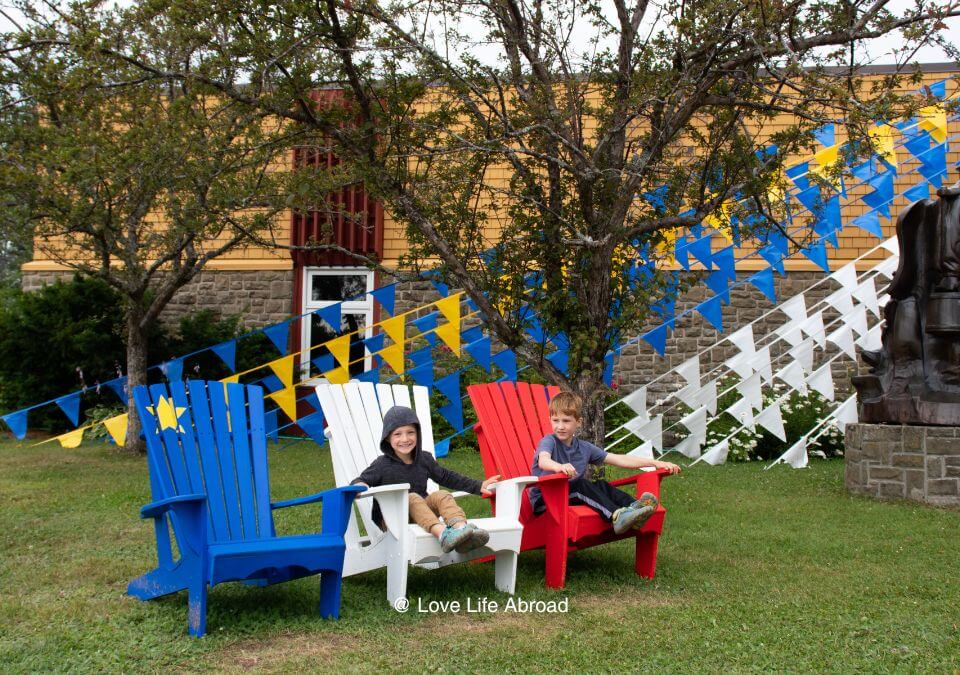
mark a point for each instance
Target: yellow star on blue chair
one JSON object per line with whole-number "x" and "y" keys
{"x": 168, "y": 415}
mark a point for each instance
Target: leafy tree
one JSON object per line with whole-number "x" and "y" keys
{"x": 136, "y": 181}
{"x": 588, "y": 108}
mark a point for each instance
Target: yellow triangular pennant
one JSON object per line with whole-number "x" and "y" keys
{"x": 393, "y": 355}
{"x": 450, "y": 334}
{"x": 117, "y": 428}
{"x": 720, "y": 221}
{"x": 882, "y": 137}
{"x": 233, "y": 379}
{"x": 825, "y": 159}
{"x": 933, "y": 118}
{"x": 395, "y": 328}
{"x": 283, "y": 368}
{"x": 340, "y": 348}
{"x": 339, "y": 375}
{"x": 287, "y": 400}
{"x": 71, "y": 439}
{"x": 450, "y": 308}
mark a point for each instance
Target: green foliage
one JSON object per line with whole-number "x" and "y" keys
{"x": 49, "y": 336}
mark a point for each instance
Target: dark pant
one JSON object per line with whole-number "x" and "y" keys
{"x": 599, "y": 496}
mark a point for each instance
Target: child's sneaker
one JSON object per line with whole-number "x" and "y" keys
{"x": 628, "y": 516}
{"x": 478, "y": 537}
{"x": 646, "y": 499}
{"x": 451, "y": 537}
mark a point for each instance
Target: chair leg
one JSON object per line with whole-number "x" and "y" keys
{"x": 397, "y": 569}
{"x": 197, "y": 608}
{"x": 505, "y": 571}
{"x": 156, "y": 583}
{"x": 330, "y": 583}
{"x": 646, "y": 562}
{"x": 556, "y": 558}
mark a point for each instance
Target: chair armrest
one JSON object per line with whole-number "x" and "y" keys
{"x": 461, "y": 493}
{"x": 161, "y": 506}
{"x": 508, "y": 493}
{"x": 320, "y": 496}
{"x": 555, "y": 490}
{"x": 382, "y": 490}
{"x": 648, "y": 481}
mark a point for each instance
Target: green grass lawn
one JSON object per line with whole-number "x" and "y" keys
{"x": 758, "y": 570}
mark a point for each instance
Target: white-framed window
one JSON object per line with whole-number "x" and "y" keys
{"x": 324, "y": 286}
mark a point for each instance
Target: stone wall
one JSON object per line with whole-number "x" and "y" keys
{"x": 639, "y": 364}
{"x": 261, "y": 297}
{"x": 904, "y": 462}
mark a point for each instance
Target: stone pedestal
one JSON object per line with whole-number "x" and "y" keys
{"x": 889, "y": 461}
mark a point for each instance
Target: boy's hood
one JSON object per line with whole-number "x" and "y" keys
{"x": 399, "y": 416}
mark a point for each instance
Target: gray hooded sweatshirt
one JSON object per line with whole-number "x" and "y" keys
{"x": 389, "y": 469}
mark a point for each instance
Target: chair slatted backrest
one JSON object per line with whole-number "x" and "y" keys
{"x": 210, "y": 438}
{"x": 513, "y": 417}
{"x": 354, "y": 412}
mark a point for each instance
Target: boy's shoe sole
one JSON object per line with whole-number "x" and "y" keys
{"x": 646, "y": 499}
{"x": 452, "y": 538}
{"x": 630, "y": 516}
{"x": 476, "y": 539}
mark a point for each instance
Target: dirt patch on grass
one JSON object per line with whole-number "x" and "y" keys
{"x": 274, "y": 653}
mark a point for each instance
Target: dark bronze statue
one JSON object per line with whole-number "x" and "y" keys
{"x": 915, "y": 375}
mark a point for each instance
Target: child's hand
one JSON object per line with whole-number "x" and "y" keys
{"x": 668, "y": 466}
{"x": 485, "y": 485}
{"x": 568, "y": 469}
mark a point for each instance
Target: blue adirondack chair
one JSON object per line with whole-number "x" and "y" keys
{"x": 207, "y": 455}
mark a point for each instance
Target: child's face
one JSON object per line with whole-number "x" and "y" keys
{"x": 403, "y": 440}
{"x": 564, "y": 426}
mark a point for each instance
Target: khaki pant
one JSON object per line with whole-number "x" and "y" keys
{"x": 424, "y": 511}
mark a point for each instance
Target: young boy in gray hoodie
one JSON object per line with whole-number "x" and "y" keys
{"x": 404, "y": 461}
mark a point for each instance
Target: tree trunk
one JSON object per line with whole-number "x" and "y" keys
{"x": 136, "y": 374}
{"x": 589, "y": 387}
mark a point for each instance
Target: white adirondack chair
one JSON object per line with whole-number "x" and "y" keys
{"x": 354, "y": 414}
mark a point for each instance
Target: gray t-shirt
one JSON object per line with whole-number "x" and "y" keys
{"x": 579, "y": 454}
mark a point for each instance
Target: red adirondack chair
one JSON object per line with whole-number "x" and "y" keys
{"x": 512, "y": 417}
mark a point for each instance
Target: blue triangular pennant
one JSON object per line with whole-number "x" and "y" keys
{"x": 608, "y": 369}
{"x": 480, "y": 351}
{"x": 826, "y": 135}
{"x": 798, "y": 174}
{"x": 441, "y": 448}
{"x": 279, "y": 335}
{"x": 780, "y": 241}
{"x": 810, "y": 197}
{"x": 453, "y": 413}
{"x": 680, "y": 252}
{"x": 939, "y": 89}
{"x": 720, "y": 285}
{"x": 817, "y": 252}
{"x": 864, "y": 171}
{"x": 763, "y": 280}
{"x": 535, "y": 330}
{"x": 712, "y": 310}
{"x": 227, "y": 351}
{"x": 373, "y": 344}
{"x": 331, "y": 314}
{"x": 312, "y": 425}
{"x": 933, "y": 164}
{"x": 449, "y": 386}
{"x": 918, "y": 192}
{"x": 17, "y": 421}
{"x": 387, "y": 296}
{"x": 324, "y": 363}
{"x": 507, "y": 362}
{"x": 421, "y": 356}
{"x": 869, "y": 222}
{"x": 441, "y": 287}
{"x": 426, "y": 324}
{"x": 270, "y": 382}
{"x": 666, "y": 309}
{"x": 726, "y": 262}
{"x": 472, "y": 334}
{"x": 313, "y": 400}
{"x": 559, "y": 359}
{"x": 173, "y": 370}
{"x": 774, "y": 257}
{"x": 702, "y": 251}
{"x": 656, "y": 338}
{"x": 271, "y": 424}
{"x": 656, "y": 197}
{"x": 422, "y": 375}
{"x": 372, "y": 375}
{"x": 118, "y": 386}
{"x": 70, "y": 405}
{"x": 917, "y": 140}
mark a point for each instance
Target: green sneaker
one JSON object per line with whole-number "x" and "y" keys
{"x": 451, "y": 537}
{"x": 478, "y": 537}
{"x": 627, "y": 517}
